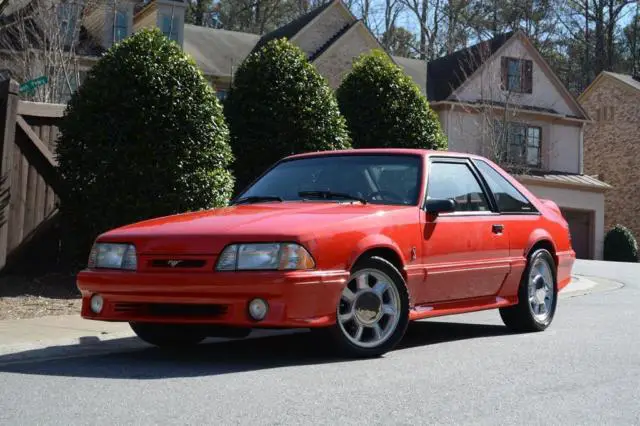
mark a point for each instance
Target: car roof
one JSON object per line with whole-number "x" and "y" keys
{"x": 387, "y": 151}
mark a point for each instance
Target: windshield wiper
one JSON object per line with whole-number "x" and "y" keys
{"x": 257, "y": 199}
{"x": 331, "y": 194}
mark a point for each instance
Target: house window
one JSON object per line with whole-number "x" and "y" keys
{"x": 68, "y": 20}
{"x": 521, "y": 144}
{"x": 120, "y": 30}
{"x": 170, "y": 26}
{"x": 517, "y": 75}
{"x": 221, "y": 94}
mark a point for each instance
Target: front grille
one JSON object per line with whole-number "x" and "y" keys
{"x": 168, "y": 310}
{"x": 178, "y": 263}
{"x": 184, "y": 310}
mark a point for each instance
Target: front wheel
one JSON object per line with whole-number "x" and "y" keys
{"x": 537, "y": 295}
{"x": 168, "y": 335}
{"x": 373, "y": 311}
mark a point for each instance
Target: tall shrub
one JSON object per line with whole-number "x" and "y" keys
{"x": 144, "y": 136}
{"x": 384, "y": 108}
{"x": 620, "y": 245}
{"x": 279, "y": 105}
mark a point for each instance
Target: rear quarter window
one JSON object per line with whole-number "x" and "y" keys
{"x": 508, "y": 198}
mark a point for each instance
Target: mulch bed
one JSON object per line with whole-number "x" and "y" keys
{"x": 23, "y": 296}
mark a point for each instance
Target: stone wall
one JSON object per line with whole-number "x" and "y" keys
{"x": 612, "y": 149}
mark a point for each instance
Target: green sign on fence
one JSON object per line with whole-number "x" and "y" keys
{"x": 31, "y": 85}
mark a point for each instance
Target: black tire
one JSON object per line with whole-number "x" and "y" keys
{"x": 337, "y": 335}
{"x": 169, "y": 335}
{"x": 520, "y": 317}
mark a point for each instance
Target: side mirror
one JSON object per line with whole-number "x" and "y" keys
{"x": 436, "y": 207}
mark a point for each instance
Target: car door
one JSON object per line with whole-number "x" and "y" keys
{"x": 466, "y": 252}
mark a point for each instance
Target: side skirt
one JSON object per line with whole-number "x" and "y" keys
{"x": 429, "y": 310}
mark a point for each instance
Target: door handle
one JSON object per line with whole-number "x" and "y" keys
{"x": 497, "y": 228}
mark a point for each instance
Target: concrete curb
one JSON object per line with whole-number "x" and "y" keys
{"x": 582, "y": 285}
{"x": 95, "y": 345}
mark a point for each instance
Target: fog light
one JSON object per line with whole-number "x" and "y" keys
{"x": 97, "y": 303}
{"x": 258, "y": 309}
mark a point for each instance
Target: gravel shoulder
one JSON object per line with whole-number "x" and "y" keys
{"x": 24, "y": 297}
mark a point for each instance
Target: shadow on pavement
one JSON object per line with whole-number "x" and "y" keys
{"x": 208, "y": 359}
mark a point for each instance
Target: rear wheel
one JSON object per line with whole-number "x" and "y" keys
{"x": 169, "y": 335}
{"x": 537, "y": 295}
{"x": 373, "y": 311}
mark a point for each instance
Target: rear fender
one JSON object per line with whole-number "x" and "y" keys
{"x": 553, "y": 207}
{"x": 537, "y": 236}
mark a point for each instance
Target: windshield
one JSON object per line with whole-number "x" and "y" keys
{"x": 377, "y": 179}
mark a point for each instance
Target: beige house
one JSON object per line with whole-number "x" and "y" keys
{"x": 501, "y": 99}
{"x": 611, "y": 144}
{"x": 498, "y": 98}
{"x": 501, "y": 89}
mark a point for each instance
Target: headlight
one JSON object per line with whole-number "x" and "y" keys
{"x": 113, "y": 256}
{"x": 265, "y": 256}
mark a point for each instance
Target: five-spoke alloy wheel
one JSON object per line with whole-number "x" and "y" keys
{"x": 373, "y": 311}
{"x": 537, "y": 295}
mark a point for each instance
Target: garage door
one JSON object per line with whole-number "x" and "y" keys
{"x": 580, "y": 228}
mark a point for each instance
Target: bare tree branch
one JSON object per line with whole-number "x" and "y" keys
{"x": 42, "y": 39}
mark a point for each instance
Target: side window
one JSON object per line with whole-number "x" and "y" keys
{"x": 456, "y": 181}
{"x": 508, "y": 198}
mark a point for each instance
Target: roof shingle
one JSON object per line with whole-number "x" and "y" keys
{"x": 447, "y": 73}
{"x": 217, "y": 51}
{"x": 563, "y": 178}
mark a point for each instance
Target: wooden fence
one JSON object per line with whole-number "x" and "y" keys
{"x": 29, "y": 133}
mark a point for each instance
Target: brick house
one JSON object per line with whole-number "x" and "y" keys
{"x": 611, "y": 144}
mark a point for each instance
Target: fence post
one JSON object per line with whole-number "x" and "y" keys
{"x": 8, "y": 111}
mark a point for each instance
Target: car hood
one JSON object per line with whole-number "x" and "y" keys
{"x": 208, "y": 232}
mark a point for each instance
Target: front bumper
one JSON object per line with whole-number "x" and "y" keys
{"x": 297, "y": 299}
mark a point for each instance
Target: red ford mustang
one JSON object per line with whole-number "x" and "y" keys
{"x": 353, "y": 243}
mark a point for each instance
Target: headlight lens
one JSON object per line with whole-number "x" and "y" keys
{"x": 265, "y": 256}
{"x": 113, "y": 256}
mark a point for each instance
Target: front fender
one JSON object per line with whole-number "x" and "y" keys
{"x": 372, "y": 242}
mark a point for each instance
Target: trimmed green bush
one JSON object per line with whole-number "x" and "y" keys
{"x": 620, "y": 245}
{"x": 144, "y": 136}
{"x": 384, "y": 107}
{"x": 279, "y": 105}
